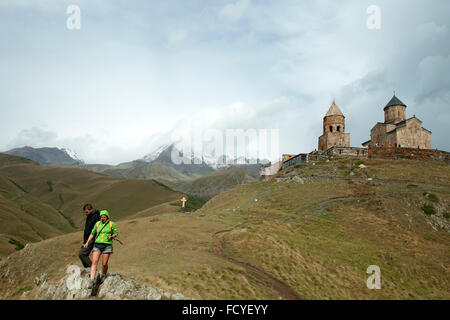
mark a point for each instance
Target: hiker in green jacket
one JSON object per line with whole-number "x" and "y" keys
{"x": 104, "y": 232}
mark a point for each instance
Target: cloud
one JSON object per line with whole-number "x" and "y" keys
{"x": 176, "y": 37}
{"x": 431, "y": 29}
{"x": 434, "y": 75}
{"x": 34, "y": 137}
{"x": 234, "y": 11}
{"x": 283, "y": 114}
{"x": 85, "y": 146}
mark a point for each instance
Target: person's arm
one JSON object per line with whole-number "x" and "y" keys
{"x": 93, "y": 233}
{"x": 89, "y": 240}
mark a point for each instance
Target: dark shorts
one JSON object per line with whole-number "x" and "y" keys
{"x": 103, "y": 248}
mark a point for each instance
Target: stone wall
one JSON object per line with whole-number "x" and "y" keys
{"x": 347, "y": 151}
{"x": 317, "y": 156}
{"x": 408, "y": 153}
{"x": 411, "y": 135}
{"x": 337, "y": 151}
{"x": 331, "y": 139}
{"x": 378, "y": 134}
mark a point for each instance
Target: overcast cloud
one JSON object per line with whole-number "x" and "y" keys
{"x": 137, "y": 70}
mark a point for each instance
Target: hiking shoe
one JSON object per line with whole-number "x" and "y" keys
{"x": 91, "y": 284}
{"x": 102, "y": 278}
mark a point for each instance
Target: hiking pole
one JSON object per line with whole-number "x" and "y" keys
{"x": 118, "y": 240}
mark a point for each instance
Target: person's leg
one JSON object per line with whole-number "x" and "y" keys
{"x": 105, "y": 258}
{"x": 95, "y": 258}
{"x": 84, "y": 255}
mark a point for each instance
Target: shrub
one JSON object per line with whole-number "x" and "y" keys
{"x": 430, "y": 196}
{"x": 162, "y": 185}
{"x": 297, "y": 166}
{"x": 412, "y": 185}
{"x": 428, "y": 209}
{"x": 447, "y": 215}
{"x": 50, "y": 186}
{"x": 22, "y": 290}
{"x": 18, "y": 244}
{"x": 358, "y": 163}
{"x": 194, "y": 203}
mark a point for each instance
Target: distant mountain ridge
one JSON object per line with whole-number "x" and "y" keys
{"x": 163, "y": 154}
{"x": 198, "y": 177}
{"x": 50, "y": 157}
{"x": 190, "y": 167}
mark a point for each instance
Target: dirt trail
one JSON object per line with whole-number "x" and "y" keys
{"x": 283, "y": 291}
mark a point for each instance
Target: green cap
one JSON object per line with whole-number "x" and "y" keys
{"x": 104, "y": 213}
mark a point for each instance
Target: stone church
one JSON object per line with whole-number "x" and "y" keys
{"x": 334, "y": 134}
{"x": 397, "y": 131}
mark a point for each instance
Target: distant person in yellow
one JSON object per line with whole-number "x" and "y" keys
{"x": 104, "y": 232}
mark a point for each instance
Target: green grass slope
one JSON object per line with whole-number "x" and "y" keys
{"x": 140, "y": 170}
{"x": 210, "y": 185}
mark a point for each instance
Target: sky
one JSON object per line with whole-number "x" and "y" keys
{"x": 137, "y": 71}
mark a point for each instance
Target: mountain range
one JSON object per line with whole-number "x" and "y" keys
{"x": 197, "y": 177}
{"x": 48, "y": 156}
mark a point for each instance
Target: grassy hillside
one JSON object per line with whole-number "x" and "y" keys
{"x": 99, "y": 168}
{"x": 139, "y": 170}
{"x": 39, "y": 202}
{"x": 204, "y": 187}
{"x": 23, "y": 217}
{"x": 309, "y": 233}
{"x": 210, "y": 185}
{"x": 153, "y": 170}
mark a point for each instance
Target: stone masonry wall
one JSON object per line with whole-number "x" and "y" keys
{"x": 347, "y": 151}
{"x": 408, "y": 153}
{"x": 413, "y": 135}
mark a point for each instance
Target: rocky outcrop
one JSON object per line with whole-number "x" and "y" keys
{"x": 114, "y": 287}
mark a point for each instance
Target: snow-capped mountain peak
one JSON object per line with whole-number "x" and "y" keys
{"x": 72, "y": 154}
{"x": 155, "y": 154}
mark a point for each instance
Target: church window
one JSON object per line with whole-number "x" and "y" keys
{"x": 331, "y": 128}
{"x": 339, "y": 128}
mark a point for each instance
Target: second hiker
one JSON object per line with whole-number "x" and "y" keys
{"x": 103, "y": 234}
{"x": 92, "y": 216}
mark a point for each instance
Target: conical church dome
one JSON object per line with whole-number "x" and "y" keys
{"x": 334, "y": 110}
{"x": 395, "y": 102}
